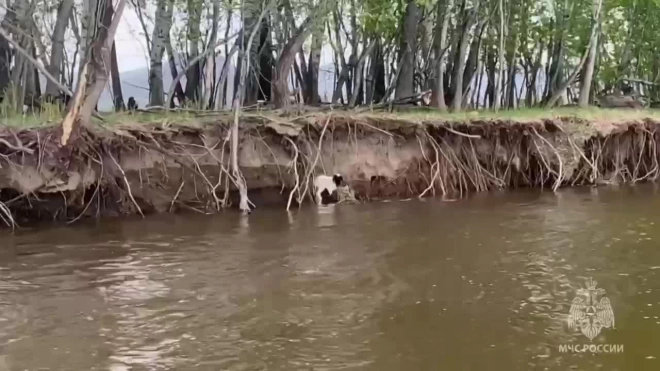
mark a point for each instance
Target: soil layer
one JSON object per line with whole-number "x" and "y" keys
{"x": 169, "y": 166}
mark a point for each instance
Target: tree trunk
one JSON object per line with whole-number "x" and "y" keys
{"x": 378, "y": 74}
{"x": 438, "y": 93}
{"x": 5, "y": 57}
{"x": 591, "y": 60}
{"x": 221, "y": 102}
{"x": 239, "y": 180}
{"x": 459, "y": 68}
{"x": 510, "y": 99}
{"x": 89, "y": 25}
{"x": 94, "y": 71}
{"x": 31, "y": 93}
{"x": 473, "y": 64}
{"x": 210, "y": 66}
{"x": 117, "y": 94}
{"x": 160, "y": 37}
{"x": 370, "y": 81}
{"x": 352, "y": 88}
{"x": 265, "y": 61}
{"x": 280, "y": 86}
{"x": 314, "y": 65}
{"x": 57, "y": 49}
{"x": 222, "y": 80}
{"x": 359, "y": 70}
{"x": 17, "y": 20}
{"x": 338, "y": 94}
{"x": 250, "y": 11}
{"x": 491, "y": 70}
{"x": 557, "y": 67}
{"x": 194, "y": 74}
{"x": 532, "y": 94}
{"x": 179, "y": 93}
{"x": 405, "y": 83}
{"x": 5, "y": 63}
{"x": 497, "y": 98}
{"x": 592, "y": 40}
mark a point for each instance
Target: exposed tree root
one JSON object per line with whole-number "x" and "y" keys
{"x": 294, "y": 165}
{"x": 160, "y": 168}
{"x": 6, "y": 217}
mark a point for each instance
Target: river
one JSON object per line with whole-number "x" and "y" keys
{"x": 482, "y": 283}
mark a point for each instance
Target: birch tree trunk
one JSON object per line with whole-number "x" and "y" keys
{"x": 193, "y": 77}
{"x": 94, "y": 70}
{"x": 160, "y": 38}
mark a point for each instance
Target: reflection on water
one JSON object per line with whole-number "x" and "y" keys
{"x": 478, "y": 284}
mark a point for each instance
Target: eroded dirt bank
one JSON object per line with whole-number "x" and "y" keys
{"x": 151, "y": 168}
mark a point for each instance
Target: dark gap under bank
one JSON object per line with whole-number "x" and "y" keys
{"x": 156, "y": 168}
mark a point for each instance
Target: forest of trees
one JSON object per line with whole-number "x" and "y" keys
{"x": 521, "y": 53}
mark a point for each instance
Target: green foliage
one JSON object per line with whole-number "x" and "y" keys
{"x": 381, "y": 17}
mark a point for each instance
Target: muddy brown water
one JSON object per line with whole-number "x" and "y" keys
{"x": 484, "y": 283}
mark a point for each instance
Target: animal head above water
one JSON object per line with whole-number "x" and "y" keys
{"x": 338, "y": 180}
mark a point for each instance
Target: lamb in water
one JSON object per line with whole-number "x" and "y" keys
{"x": 326, "y": 188}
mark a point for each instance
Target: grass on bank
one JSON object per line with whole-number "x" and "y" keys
{"x": 52, "y": 115}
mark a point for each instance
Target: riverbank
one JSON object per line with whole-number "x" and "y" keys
{"x": 152, "y": 162}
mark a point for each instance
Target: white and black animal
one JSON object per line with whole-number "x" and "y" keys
{"x": 326, "y": 188}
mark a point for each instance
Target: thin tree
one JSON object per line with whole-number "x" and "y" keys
{"x": 585, "y": 89}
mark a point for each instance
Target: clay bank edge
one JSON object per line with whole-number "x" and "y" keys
{"x": 154, "y": 163}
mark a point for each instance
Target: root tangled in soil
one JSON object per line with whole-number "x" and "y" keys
{"x": 141, "y": 169}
